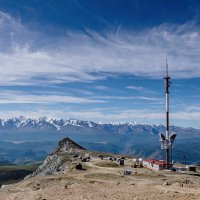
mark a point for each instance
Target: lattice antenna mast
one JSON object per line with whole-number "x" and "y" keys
{"x": 167, "y": 141}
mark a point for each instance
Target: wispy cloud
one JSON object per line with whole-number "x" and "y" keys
{"x": 101, "y": 87}
{"x": 141, "y": 89}
{"x": 30, "y": 57}
{"x": 182, "y": 118}
{"x": 129, "y": 98}
{"x": 137, "y": 88}
{"x": 194, "y": 108}
{"x": 48, "y": 97}
{"x": 14, "y": 97}
{"x": 125, "y": 115}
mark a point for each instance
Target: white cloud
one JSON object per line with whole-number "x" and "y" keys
{"x": 29, "y": 57}
{"x": 120, "y": 115}
{"x": 137, "y": 88}
{"x": 145, "y": 116}
{"x": 11, "y": 97}
{"x": 141, "y": 89}
{"x": 129, "y": 98}
{"x": 48, "y": 97}
{"x": 193, "y": 108}
{"x": 101, "y": 87}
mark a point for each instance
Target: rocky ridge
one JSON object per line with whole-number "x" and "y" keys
{"x": 60, "y": 159}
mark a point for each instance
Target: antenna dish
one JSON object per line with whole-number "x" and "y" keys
{"x": 162, "y": 137}
{"x": 172, "y": 137}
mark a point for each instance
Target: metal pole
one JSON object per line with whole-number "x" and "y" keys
{"x": 167, "y": 146}
{"x": 163, "y": 155}
{"x": 171, "y": 153}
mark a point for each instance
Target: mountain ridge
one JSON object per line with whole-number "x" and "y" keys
{"x": 21, "y": 122}
{"x": 59, "y": 159}
{"x": 132, "y": 138}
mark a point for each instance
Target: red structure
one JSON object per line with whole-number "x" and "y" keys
{"x": 156, "y": 165}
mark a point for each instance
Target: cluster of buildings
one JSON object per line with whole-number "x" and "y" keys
{"x": 156, "y": 165}
{"x": 159, "y": 165}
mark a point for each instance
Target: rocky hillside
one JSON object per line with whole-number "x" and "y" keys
{"x": 101, "y": 177}
{"x": 60, "y": 159}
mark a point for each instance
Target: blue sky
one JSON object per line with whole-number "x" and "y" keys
{"x": 100, "y": 60}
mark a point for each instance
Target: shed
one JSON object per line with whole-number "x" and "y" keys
{"x": 191, "y": 168}
{"x": 121, "y": 161}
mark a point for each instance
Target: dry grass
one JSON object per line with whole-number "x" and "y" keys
{"x": 105, "y": 180}
{"x": 107, "y": 164}
{"x": 102, "y": 176}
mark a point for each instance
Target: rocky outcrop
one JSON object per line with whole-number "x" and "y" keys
{"x": 67, "y": 145}
{"x": 60, "y": 159}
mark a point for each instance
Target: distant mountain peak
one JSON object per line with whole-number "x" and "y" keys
{"x": 120, "y": 123}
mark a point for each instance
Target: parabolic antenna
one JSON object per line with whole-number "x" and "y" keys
{"x": 172, "y": 137}
{"x": 162, "y": 137}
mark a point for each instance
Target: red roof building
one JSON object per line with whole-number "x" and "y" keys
{"x": 156, "y": 165}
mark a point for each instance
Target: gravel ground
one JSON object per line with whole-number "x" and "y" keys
{"x": 107, "y": 182}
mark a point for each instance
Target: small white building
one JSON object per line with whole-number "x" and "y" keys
{"x": 156, "y": 165}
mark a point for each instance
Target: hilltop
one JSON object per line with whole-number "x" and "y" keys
{"x": 84, "y": 174}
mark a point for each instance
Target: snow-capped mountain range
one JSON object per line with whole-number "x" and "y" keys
{"x": 19, "y": 122}
{"x": 24, "y": 138}
{"x": 57, "y": 123}
{"x": 44, "y": 123}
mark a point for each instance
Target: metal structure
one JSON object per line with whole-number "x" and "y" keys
{"x": 167, "y": 140}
